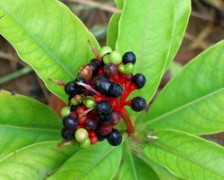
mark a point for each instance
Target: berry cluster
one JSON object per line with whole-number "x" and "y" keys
{"x": 97, "y": 98}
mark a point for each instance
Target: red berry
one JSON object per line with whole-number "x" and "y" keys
{"x": 82, "y": 120}
{"x": 94, "y": 140}
{"x": 91, "y": 133}
{"x": 80, "y": 110}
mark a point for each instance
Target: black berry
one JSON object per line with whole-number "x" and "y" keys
{"x": 70, "y": 122}
{"x": 80, "y": 79}
{"x": 129, "y": 57}
{"x": 95, "y": 66}
{"x": 102, "y": 84}
{"x": 115, "y": 137}
{"x": 67, "y": 133}
{"x": 138, "y": 104}
{"x": 100, "y": 137}
{"x": 139, "y": 80}
{"x": 115, "y": 90}
{"x": 71, "y": 88}
{"x": 104, "y": 111}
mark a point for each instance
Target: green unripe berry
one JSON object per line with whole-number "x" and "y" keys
{"x": 128, "y": 68}
{"x": 85, "y": 144}
{"x": 115, "y": 57}
{"x": 121, "y": 68}
{"x": 89, "y": 103}
{"x": 104, "y": 50}
{"x": 81, "y": 135}
{"x": 106, "y": 59}
{"x": 65, "y": 111}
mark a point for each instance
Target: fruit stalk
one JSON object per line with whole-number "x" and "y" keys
{"x": 128, "y": 122}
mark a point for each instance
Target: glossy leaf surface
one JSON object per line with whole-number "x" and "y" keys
{"x": 37, "y": 161}
{"x": 134, "y": 168}
{"x": 24, "y": 121}
{"x": 150, "y": 29}
{"x": 186, "y": 155}
{"x": 48, "y": 37}
{"x": 100, "y": 161}
{"x": 193, "y": 101}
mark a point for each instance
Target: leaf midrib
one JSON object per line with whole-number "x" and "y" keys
{"x": 41, "y": 45}
{"x": 181, "y": 107}
{"x": 186, "y": 158}
{"x": 30, "y": 128}
{"x": 96, "y": 162}
{"x": 132, "y": 161}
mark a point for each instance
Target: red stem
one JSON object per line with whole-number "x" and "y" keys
{"x": 127, "y": 120}
{"x": 94, "y": 50}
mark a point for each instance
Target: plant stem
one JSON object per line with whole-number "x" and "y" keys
{"x": 127, "y": 120}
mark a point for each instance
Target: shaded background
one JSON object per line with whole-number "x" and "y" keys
{"x": 205, "y": 28}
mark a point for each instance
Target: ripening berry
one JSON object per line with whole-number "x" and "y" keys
{"x": 129, "y": 57}
{"x": 85, "y": 72}
{"x": 91, "y": 124}
{"x": 67, "y": 133}
{"x": 115, "y": 137}
{"x": 70, "y": 122}
{"x": 139, "y": 80}
{"x": 105, "y": 129}
{"x": 138, "y": 104}
{"x": 110, "y": 70}
{"x": 81, "y": 135}
{"x": 116, "y": 116}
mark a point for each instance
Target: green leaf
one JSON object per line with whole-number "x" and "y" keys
{"x": 24, "y": 121}
{"x": 48, "y": 37}
{"x": 37, "y": 161}
{"x": 100, "y": 161}
{"x": 112, "y": 30}
{"x": 161, "y": 171}
{"x": 186, "y": 155}
{"x": 135, "y": 168}
{"x": 193, "y": 101}
{"x": 182, "y": 12}
{"x": 150, "y": 29}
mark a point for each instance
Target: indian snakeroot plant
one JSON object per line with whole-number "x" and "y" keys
{"x": 105, "y": 97}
